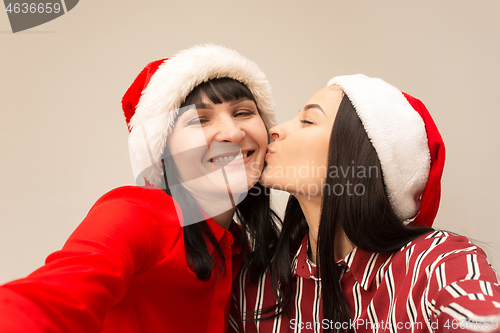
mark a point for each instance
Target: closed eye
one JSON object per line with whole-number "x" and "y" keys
{"x": 307, "y": 122}
{"x": 245, "y": 113}
{"x": 197, "y": 121}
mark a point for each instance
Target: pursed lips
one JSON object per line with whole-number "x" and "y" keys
{"x": 269, "y": 152}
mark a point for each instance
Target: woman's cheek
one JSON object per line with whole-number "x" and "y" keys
{"x": 262, "y": 135}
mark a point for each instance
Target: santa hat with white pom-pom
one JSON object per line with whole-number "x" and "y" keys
{"x": 152, "y": 102}
{"x": 407, "y": 141}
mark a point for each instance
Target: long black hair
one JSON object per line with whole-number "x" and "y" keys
{"x": 254, "y": 213}
{"x": 364, "y": 214}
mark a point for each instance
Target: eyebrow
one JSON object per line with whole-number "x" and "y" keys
{"x": 240, "y": 100}
{"x": 202, "y": 105}
{"x": 313, "y": 106}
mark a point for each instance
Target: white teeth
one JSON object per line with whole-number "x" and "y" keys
{"x": 230, "y": 158}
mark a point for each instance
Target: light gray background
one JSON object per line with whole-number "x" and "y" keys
{"x": 63, "y": 139}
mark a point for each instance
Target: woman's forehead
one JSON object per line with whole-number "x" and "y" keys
{"x": 328, "y": 98}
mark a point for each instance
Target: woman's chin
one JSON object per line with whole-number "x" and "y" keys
{"x": 251, "y": 182}
{"x": 270, "y": 182}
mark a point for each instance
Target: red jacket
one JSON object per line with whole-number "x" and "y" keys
{"x": 124, "y": 270}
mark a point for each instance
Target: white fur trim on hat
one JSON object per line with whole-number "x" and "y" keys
{"x": 169, "y": 86}
{"x": 397, "y": 133}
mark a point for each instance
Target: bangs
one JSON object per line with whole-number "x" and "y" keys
{"x": 219, "y": 91}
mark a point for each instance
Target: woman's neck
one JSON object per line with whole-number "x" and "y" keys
{"x": 225, "y": 219}
{"x": 213, "y": 206}
{"x": 311, "y": 207}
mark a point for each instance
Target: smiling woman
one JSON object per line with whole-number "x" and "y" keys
{"x": 162, "y": 257}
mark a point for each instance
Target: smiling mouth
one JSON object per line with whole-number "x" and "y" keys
{"x": 230, "y": 157}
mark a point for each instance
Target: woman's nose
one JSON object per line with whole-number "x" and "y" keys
{"x": 229, "y": 131}
{"x": 277, "y": 132}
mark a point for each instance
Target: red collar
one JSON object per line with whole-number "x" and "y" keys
{"x": 364, "y": 265}
{"x": 231, "y": 236}
{"x": 301, "y": 265}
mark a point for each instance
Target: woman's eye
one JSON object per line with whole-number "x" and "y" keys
{"x": 244, "y": 113}
{"x": 197, "y": 121}
{"x": 307, "y": 122}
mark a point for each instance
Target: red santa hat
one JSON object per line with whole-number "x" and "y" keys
{"x": 152, "y": 102}
{"x": 407, "y": 141}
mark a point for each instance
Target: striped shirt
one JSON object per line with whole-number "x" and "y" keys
{"x": 439, "y": 282}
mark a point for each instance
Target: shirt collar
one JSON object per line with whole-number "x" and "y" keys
{"x": 231, "y": 236}
{"x": 363, "y": 265}
{"x": 301, "y": 265}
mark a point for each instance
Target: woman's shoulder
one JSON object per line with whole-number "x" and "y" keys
{"x": 442, "y": 238}
{"x": 439, "y": 246}
{"x": 135, "y": 194}
{"x": 143, "y": 220}
{"x": 144, "y": 202}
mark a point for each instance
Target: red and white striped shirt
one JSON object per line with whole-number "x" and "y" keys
{"x": 437, "y": 283}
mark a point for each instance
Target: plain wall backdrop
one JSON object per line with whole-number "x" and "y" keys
{"x": 63, "y": 138}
